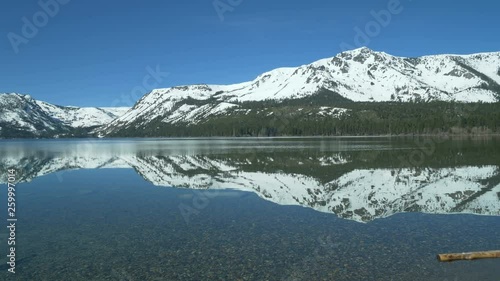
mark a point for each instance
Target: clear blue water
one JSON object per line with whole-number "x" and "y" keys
{"x": 230, "y": 210}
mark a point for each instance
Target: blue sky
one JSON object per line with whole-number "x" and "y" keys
{"x": 93, "y": 53}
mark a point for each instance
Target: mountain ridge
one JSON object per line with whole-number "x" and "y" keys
{"x": 360, "y": 75}
{"x": 21, "y": 115}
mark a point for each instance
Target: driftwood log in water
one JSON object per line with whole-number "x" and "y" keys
{"x": 469, "y": 256}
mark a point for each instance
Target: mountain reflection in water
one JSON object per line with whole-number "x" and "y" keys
{"x": 357, "y": 179}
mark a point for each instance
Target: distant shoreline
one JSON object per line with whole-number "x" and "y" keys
{"x": 448, "y": 135}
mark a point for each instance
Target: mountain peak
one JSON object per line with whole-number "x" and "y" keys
{"x": 15, "y": 95}
{"x": 361, "y": 54}
{"x": 363, "y": 49}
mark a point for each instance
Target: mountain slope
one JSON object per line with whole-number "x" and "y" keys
{"x": 80, "y": 117}
{"x": 23, "y": 116}
{"x": 357, "y": 75}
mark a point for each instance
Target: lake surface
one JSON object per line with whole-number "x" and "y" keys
{"x": 252, "y": 209}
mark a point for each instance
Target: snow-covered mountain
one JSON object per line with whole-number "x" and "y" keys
{"x": 21, "y": 115}
{"x": 80, "y": 117}
{"x": 357, "y": 75}
{"x": 357, "y": 194}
